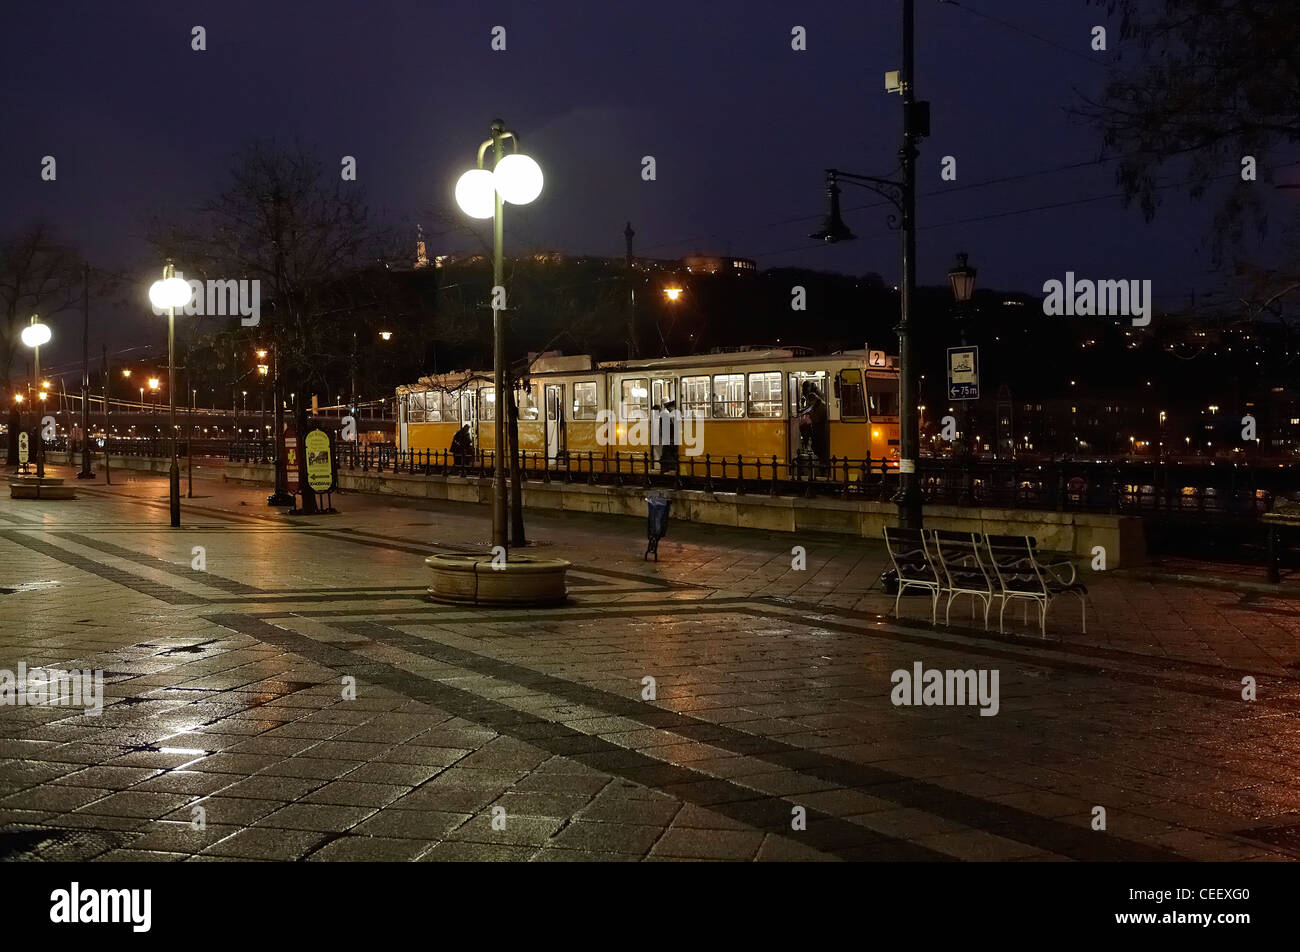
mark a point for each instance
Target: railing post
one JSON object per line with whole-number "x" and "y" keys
{"x": 772, "y": 492}
{"x": 740, "y": 475}
{"x": 708, "y": 474}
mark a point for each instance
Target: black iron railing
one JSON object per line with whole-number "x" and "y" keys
{"x": 1120, "y": 487}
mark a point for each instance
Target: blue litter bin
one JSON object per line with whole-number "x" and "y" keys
{"x": 656, "y": 524}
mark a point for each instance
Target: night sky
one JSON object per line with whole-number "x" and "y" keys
{"x": 741, "y": 127}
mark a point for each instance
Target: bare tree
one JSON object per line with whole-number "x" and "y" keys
{"x": 289, "y": 222}
{"x": 38, "y": 274}
{"x": 1202, "y": 84}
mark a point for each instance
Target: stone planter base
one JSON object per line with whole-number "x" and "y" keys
{"x": 471, "y": 580}
{"x": 26, "y": 487}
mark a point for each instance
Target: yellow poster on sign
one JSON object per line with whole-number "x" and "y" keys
{"x": 320, "y": 473}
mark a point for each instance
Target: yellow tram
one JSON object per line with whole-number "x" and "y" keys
{"x": 738, "y": 403}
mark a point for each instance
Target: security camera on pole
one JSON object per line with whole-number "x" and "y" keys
{"x": 170, "y": 293}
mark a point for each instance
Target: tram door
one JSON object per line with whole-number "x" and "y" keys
{"x": 554, "y": 422}
{"x": 795, "y": 388}
{"x": 469, "y": 413}
{"x": 663, "y": 390}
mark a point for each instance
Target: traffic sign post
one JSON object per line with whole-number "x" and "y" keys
{"x": 964, "y": 373}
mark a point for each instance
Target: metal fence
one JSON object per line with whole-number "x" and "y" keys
{"x": 1231, "y": 490}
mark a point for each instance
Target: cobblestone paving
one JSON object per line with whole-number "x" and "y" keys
{"x": 525, "y": 735}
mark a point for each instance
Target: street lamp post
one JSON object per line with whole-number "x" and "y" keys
{"x": 34, "y": 335}
{"x": 962, "y": 281}
{"x": 517, "y": 179}
{"x": 902, "y": 195}
{"x": 281, "y": 495}
{"x": 87, "y": 472}
{"x": 171, "y": 292}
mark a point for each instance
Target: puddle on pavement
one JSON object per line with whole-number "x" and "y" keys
{"x": 26, "y": 587}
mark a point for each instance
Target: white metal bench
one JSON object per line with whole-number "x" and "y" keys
{"x": 910, "y": 554}
{"x": 961, "y": 563}
{"x": 1020, "y": 573}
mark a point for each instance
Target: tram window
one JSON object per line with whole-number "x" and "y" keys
{"x": 450, "y": 408}
{"x": 882, "y": 396}
{"x": 765, "y": 394}
{"x": 635, "y": 402}
{"x": 467, "y": 406}
{"x": 853, "y": 406}
{"x": 527, "y": 399}
{"x": 553, "y": 402}
{"x": 798, "y": 378}
{"x": 584, "y": 400}
{"x": 662, "y": 390}
{"x": 696, "y": 401}
{"x": 728, "y": 396}
{"x": 487, "y": 404}
{"x": 415, "y": 412}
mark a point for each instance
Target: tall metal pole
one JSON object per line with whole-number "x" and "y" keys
{"x": 40, "y": 436}
{"x": 628, "y": 235}
{"x": 86, "y": 471}
{"x": 499, "y": 498}
{"x": 108, "y": 477}
{"x": 189, "y": 438}
{"x": 281, "y": 495}
{"x": 174, "y": 473}
{"x": 909, "y": 490}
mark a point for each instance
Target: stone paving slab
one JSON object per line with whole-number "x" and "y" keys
{"x": 230, "y": 730}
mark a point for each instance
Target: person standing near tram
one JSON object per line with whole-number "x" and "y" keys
{"x": 814, "y": 423}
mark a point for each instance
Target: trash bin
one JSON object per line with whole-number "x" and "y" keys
{"x": 656, "y": 523}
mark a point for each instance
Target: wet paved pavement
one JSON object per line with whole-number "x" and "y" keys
{"x": 533, "y": 735}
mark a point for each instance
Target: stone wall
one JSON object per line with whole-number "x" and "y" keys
{"x": 1075, "y": 532}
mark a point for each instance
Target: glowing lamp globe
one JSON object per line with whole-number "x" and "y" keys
{"x": 169, "y": 293}
{"x": 36, "y": 335}
{"x": 518, "y": 178}
{"x": 474, "y": 194}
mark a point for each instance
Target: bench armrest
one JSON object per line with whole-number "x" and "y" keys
{"x": 1056, "y": 568}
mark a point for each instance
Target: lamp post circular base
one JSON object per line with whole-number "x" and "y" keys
{"x": 478, "y": 580}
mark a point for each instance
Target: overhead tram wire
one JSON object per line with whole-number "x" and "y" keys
{"x": 1006, "y": 24}
{"x": 1020, "y": 176}
{"x": 992, "y": 216}
{"x": 1029, "y": 33}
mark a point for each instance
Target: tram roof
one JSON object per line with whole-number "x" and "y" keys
{"x": 729, "y": 357}
{"x": 580, "y": 363}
